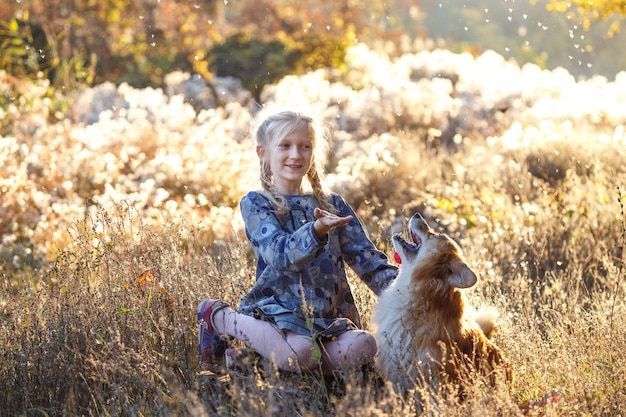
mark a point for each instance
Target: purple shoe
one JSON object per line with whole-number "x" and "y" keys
{"x": 210, "y": 344}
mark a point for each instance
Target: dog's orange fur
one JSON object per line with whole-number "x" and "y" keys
{"x": 425, "y": 330}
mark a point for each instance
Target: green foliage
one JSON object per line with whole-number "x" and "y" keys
{"x": 24, "y": 50}
{"x": 111, "y": 40}
{"x": 258, "y": 62}
{"x": 254, "y": 62}
{"x": 588, "y": 12}
{"x": 30, "y": 50}
{"x": 313, "y": 51}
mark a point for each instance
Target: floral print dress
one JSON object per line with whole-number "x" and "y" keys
{"x": 301, "y": 283}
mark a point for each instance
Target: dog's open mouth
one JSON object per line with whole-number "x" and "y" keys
{"x": 408, "y": 248}
{"x": 412, "y": 246}
{"x": 416, "y": 239}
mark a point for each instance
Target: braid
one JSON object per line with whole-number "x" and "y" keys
{"x": 318, "y": 192}
{"x": 278, "y": 200}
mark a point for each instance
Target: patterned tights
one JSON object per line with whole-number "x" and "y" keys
{"x": 293, "y": 352}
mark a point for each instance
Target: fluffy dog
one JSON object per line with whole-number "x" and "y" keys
{"x": 426, "y": 332}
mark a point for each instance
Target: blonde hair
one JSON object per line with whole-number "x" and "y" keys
{"x": 275, "y": 127}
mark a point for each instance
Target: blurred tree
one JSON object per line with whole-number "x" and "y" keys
{"x": 354, "y": 20}
{"x": 257, "y": 63}
{"x": 587, "y": 12}
{"x": 269, "y": 39}
{"x": 254, "y": 62}
{"x": 25, "y": 49}
{"x": 138, "y": 41}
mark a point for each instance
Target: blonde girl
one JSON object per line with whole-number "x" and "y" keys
{"x": 300, "y": 313}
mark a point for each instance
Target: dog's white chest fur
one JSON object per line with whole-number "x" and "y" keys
{"x": 396, "y": 331}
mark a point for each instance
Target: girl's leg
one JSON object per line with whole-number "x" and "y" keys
{"x": 349, "y": 350}
{"x": 288, "y": 350}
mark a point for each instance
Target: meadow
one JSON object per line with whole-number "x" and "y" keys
{"x": 525, "y": 168}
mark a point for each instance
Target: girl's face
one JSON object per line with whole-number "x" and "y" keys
{"x": 289, "y": 160}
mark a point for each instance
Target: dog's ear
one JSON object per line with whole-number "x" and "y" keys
{"x": 461, "y": 275}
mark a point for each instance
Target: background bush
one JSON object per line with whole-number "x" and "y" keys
{"x": 257, "y": 63}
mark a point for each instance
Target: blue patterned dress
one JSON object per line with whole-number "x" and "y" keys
{"x": 301, "y": 283}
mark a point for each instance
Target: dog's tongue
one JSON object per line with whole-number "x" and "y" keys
{"x": 396, "y": 258}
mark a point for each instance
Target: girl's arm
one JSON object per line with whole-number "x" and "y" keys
{"x": 369, "y": 263}
{"x": 279, "y": 248}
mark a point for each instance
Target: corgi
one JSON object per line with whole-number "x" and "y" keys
{"x": 427, "y": 333}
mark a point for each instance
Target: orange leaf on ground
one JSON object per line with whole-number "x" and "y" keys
{"x": 150, "y": 277}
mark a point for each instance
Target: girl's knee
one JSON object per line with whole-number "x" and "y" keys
{"x": 366, "y": 345}
{"x": 371, "y": 341}
{"x": 357, "y": 349}
{"x": 353, "y": 348}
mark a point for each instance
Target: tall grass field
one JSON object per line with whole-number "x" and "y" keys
{"x": 525, "y": 168}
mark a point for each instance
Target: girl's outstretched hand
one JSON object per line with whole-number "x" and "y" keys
{"x": 325, "y": 221}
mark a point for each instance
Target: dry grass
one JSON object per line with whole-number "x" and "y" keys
{"x": 85, "y": 337}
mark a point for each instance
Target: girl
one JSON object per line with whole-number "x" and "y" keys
{"x": 300, "y": 313}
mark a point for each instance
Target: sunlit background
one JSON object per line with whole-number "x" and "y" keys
{"x": 148, "y": 103}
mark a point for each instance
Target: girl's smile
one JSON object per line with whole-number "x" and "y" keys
{"x": 289, "y": 159}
